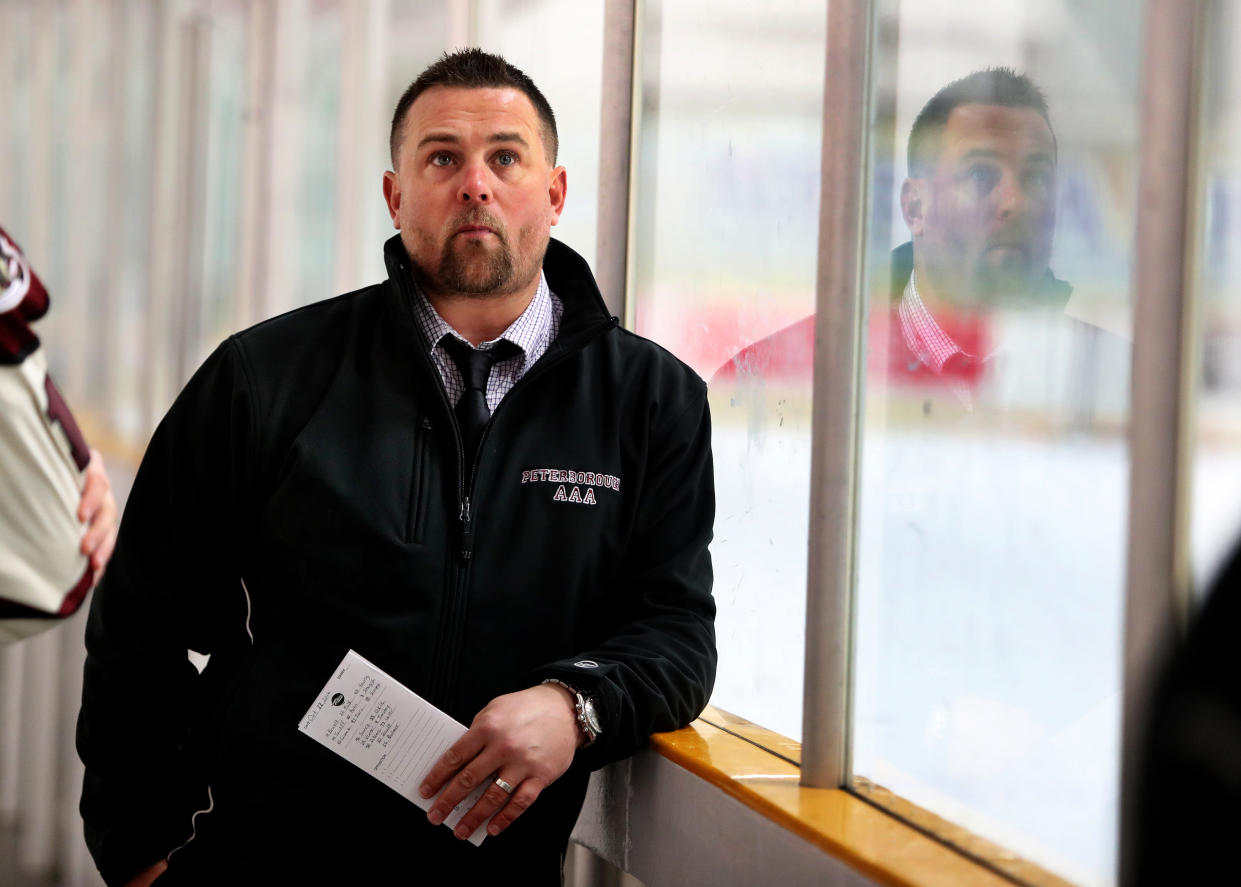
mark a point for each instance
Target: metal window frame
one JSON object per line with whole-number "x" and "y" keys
{"x": 1157, "y": 589}
{"x": 618, "y": 124}
{"x": 643, "y": 140}
{"x": 257, "y": 160}
{"x": 364, "y": 55}
{"x": 836, "y": 397}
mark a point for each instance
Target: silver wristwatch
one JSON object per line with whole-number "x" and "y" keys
{"x": 587, "y": 716}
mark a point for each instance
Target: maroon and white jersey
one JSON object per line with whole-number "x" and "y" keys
{"x": 43, "y": 575}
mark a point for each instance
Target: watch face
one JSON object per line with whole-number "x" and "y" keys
{"x": 592, "y": 718}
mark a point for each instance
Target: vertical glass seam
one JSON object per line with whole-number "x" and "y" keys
{"x": 834, "y": 428}
{"x": 613, "y": 220}
{"x": 629, "y": 308}
{"x": 1158, "y": 417}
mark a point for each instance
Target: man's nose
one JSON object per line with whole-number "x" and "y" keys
{"x": 475, "y": 184}
{"x": 1010, "y": 197}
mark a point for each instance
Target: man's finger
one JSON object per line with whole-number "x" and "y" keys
{"x": 458, "y": 755}
{"x": 97, "y": 508}
{"x": 444, "y": 775}
{"x": 492, "y": 800}
{"x": 518, "y": 804}
{"x": 148, "y": 875}
{"x": 477, "y": 772}
{"x": 94, "y": 489}
{"x": 103, "y": 553}
{"x": 102, "y": 525}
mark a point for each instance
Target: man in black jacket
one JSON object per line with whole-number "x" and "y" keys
{"x": 469, "y": 475}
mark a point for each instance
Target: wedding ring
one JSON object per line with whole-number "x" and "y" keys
{"x": 505, "y": 787}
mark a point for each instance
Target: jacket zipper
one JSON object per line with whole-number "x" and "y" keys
{"x": 445, "y": 669}
{"x": 467, "y": 515}
{"x": 467, "y": 530}
{"x": 469, "y": 511}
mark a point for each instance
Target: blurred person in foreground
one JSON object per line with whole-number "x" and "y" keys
{"x": 51, "y": 482}
{"x": 1188, "y": 805}
{"x": 469, "y": 475}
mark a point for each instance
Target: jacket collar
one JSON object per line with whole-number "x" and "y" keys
{"x": 568, "y": 276}
{"x": 1056, "y": 290}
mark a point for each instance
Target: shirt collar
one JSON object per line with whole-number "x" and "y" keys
{"x": 923, "y": 335}
{"x": 526, "y": 332}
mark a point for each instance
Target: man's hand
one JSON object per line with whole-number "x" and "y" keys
{"x": 149, "y": 874}
{"x": 526, "y": 738}
{"x": 97, "y": 509}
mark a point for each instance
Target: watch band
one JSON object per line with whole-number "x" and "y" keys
{"x": 587, "y": 717}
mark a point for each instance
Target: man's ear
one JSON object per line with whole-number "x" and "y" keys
{"x": 556, "y": 191}
{"x": 912, "y": 205}
{"x": 392, "y": 197}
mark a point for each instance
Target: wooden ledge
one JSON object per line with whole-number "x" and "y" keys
{"x": 726, "y": 752}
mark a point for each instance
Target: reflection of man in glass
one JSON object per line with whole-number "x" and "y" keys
{"x": 979, "y": 202}
{"x": 980, "y": 205}
{"x": 979, "y": 199}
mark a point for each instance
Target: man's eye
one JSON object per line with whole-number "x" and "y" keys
{"x": 441, "y": 159}
{"x": 506, "y": 158}
{"x": 1038, "y": 180}
{"x": 983, "y": 178}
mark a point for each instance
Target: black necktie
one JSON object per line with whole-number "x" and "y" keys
{"x": 475, "y": 367}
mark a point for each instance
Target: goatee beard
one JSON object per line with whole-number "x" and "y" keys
{"x": 470, "y": 270}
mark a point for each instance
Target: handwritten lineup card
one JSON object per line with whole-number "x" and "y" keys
{"x": 376, "y": 723}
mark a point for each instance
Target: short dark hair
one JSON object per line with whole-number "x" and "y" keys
{"x": 993, "y": 86}
{"x": 474, "y": 69}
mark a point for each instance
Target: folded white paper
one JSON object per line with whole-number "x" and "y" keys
{"x": 372, "y": 720}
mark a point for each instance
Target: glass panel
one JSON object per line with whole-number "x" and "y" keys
{"x": 413, "y": 35}
{"x": 725, "y": 243}
{"x": 131, "y": 229}
{"x": 1216, "y": 510}
{"x": 993, "y": 492}
{"x": 304, "y": 132}
{"x": 77, "y": 191}
{"x": 224, "y": 176}
{"x": 86, "y": 199}
{"x": 559, "y": 44}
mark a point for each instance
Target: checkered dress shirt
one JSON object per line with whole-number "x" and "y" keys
{"x": 925, "y": 338}
{"x": 928, "y": 341}
{"x": 532, "y": 332}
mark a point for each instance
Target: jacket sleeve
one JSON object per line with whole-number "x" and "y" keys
{"x": 172, "y": 585}
{"x": 655, "y": 669}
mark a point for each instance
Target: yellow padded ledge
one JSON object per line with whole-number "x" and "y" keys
{"x": 858, "y": 833}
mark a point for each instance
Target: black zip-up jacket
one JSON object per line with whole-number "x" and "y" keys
{"x": 306, "y": 494}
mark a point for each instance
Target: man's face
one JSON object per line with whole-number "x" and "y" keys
{"x": 474, "y": 194}
{"x": 983, "y": 218}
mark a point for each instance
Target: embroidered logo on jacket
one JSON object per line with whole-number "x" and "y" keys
{"x": 572, "y": 486}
